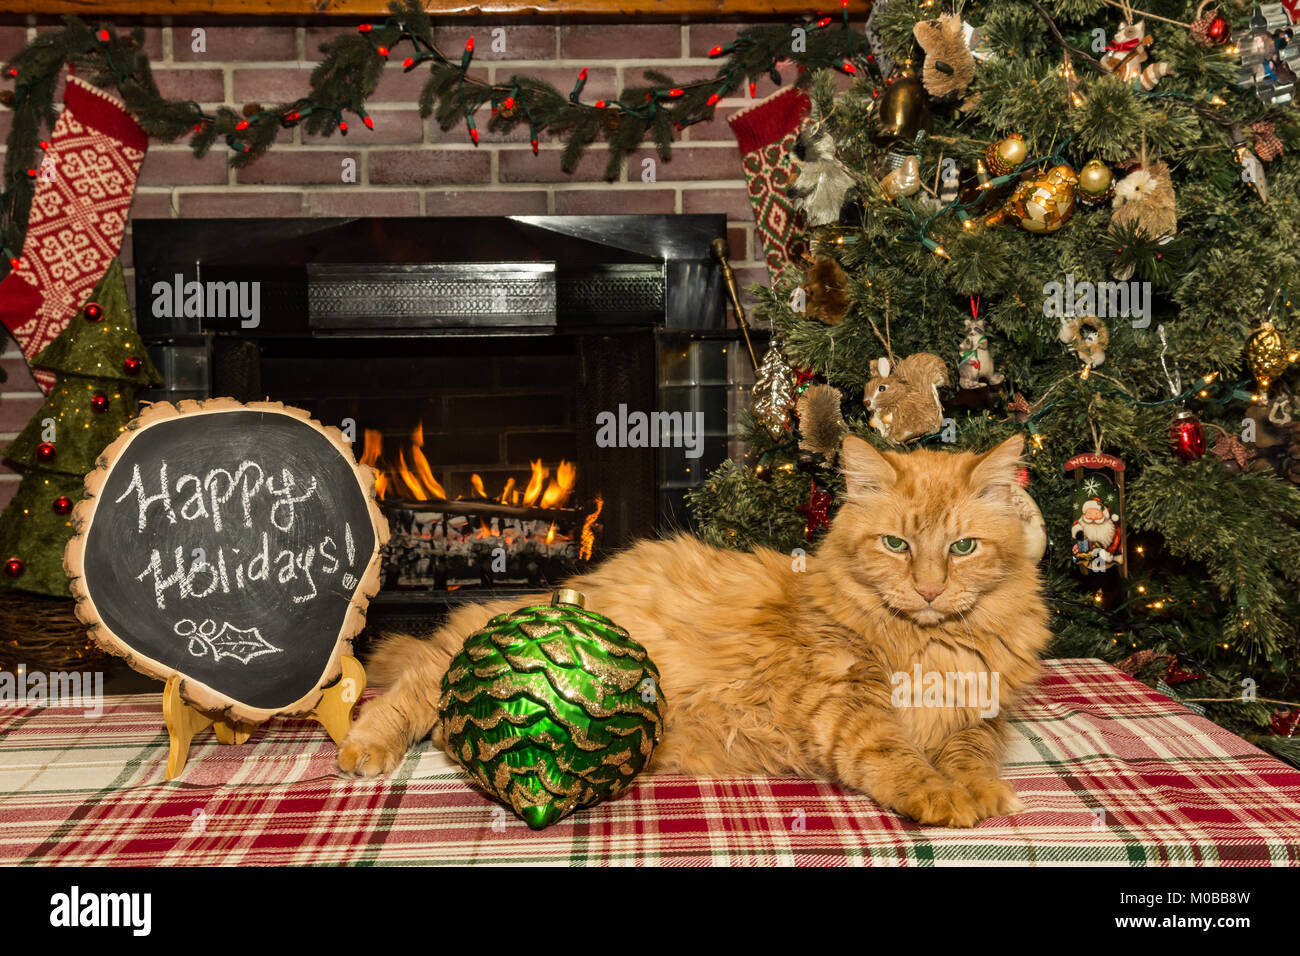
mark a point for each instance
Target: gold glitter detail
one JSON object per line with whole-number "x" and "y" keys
{"x": 610, "y": 674}
{"x": 623, "y": 756}
{"x": 558, "y": 653}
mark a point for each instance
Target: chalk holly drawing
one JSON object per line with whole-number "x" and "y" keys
{"x": 240, "y": 644}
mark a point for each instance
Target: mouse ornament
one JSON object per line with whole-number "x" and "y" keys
{"x": 904, "y": 400}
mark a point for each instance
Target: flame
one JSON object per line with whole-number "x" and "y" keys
{"x": 535, "y": 483}
{"x": 477, "y": 482}
{"x": 505, "y": 493}
{"x": 566, "y": 473}
{"x": 588, "y": 542}
{"x": 422, "y": 470}
{"x": 409, "y": 479}
{"x": 373, "y": 445}
{"x": 550, "y": 534}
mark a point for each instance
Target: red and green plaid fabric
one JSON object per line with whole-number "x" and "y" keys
{"x": 1110, "y": 772}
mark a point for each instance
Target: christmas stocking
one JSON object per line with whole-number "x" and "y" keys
{"x": 83, "y": 191}
{"x": 766, "y": 133}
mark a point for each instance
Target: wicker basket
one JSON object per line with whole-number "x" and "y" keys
{"x": 43, "y": 634}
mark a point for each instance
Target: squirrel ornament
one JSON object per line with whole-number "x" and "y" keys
{"x": 904, "y": 401}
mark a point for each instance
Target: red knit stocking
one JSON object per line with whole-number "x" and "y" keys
{"x": 84, "y": 188}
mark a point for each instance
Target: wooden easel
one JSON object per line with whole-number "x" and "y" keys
{"x": 184, "y": 720}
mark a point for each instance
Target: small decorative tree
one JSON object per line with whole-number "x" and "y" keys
{"x": 100, "y": 362}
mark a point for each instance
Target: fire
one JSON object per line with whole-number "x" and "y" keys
{"x": 535, "y": 483}
{"x": 550, "y": 534}
{"x": 588, "y": 540}
{"x": 412, "y": 477}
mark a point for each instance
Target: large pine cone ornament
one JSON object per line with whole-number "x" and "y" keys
{"x": 552, "y": 708}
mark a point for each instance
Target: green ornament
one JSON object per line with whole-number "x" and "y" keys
{"x": 552, "y": 708}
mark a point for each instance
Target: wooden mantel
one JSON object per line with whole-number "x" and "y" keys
{"x": 445, "y": 8}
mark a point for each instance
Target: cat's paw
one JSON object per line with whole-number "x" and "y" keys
{"x": 995, "y": 797}
{"x": 363, "y": 756}
{"x": 943, "y": 804}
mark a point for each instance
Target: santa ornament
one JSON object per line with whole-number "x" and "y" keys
{"x": 1098, "y": 532}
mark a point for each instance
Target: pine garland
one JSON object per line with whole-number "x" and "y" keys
{"x": 351, "y": 68}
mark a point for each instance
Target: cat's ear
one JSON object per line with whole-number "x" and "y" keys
{"x": 996, "y": 472}
{"x": 866, "y": 471}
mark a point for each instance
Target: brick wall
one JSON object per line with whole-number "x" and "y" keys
{"x": 408, "y": 166}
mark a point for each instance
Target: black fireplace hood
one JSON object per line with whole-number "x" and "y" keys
{"x": 419, "y": 275}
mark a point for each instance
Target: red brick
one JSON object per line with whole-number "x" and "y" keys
{"x": 178, "y": 167}
{"x": 6, "y": 124}
{"x": 430, "y": 166}
{"x": 688, "y": 163}
{"x": 391, "y": 127}
{"x": 151, "y": 205}
{"x": 12, "y": 39}
{"x": 734, "y": 202}
{"x": 602, "y": 82}
{"x": 458, "y": 133}
{"x": 681, "y": 74}
{"x": 715, "y": 130}
{"x": 484, "y": 202}
{"x": 315, "y": 36}
{"x": 281, "y": 84}
{"x": 521, "y": 166}
{"x": 705, "y": 36}
{"x": 20, "y": 376}
{"x": 239, "y": 203}
{"x": 522, "y": 42}
{"x": 205, "y": 86}
{"x": 612, "y": 199}
{"x": 363, "y": 202}
{"x": 246, "y": 42}
{"x": 738, "y": 241}
{"x": 398, "y": 86}
{"x": 299, "y": 166}
{"x": 618, "y": 42}
{"x": 15, "y": 412}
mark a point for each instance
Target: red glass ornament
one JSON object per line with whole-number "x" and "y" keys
{"x": 99, "y": 403}
{"x": 46, "y": 451}
{"x": 62, "y": 505}
{"x": 15, "y": 567}
{"x": 1218, "y": 30}
{"x": 1187, "y": 437}
{"x": 93, "y": 312}
{"x": 816, "y": 509}
{"x": 131, "y": 365}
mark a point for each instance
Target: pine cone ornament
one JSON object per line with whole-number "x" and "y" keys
{"x": 1267, "y": 146}
{"x": 774, "y": 390}
{"x": 552, "y": 708}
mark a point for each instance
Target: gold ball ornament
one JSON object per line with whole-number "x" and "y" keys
{"x": 1266, "y": 354}
{"x": 1096, "y": 183}
{"x": 903, "y": 109}
{"x": 1006, "y": 154}
{"x": 1040, "y": 205}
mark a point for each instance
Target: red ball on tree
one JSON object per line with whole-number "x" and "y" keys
{"x": 99, "y": 403}
{"x": 1218, "y": 30}
{"x": 92, "y": 312}
{"x": 15, "y": 567}
{"x": 1187, "y": 436}
{"x": 46, "y": 451}
{"x": 62, "y": 505}
{"x": 132, "y": 364}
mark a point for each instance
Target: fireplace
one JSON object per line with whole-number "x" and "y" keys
{"x": 535, "y": 392}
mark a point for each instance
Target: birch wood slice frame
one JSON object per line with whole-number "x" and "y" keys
{"x": 198, "y": 694}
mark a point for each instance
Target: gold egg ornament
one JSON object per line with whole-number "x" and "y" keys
{"x": 1040, "y": 205}
{"x": 1096, "y": 183}
{"x": 1006, "y": 154}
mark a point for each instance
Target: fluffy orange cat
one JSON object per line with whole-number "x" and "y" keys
{"x": 770, "y": 668}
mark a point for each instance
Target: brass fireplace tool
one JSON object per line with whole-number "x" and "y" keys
{"x": 720, "y": 252}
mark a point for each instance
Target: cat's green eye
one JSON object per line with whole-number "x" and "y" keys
{"x": 897, "y": 545}
{"x": 963, "y": 547}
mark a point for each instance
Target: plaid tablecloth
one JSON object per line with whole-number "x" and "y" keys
{"x": 1110, "y": 772}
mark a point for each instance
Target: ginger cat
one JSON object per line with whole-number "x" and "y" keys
{"x": 767, "y": 669}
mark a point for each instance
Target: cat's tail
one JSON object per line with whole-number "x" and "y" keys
{"x": 391, "y": 656}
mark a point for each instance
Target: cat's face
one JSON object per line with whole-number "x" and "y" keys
{"x": 928, "y": 534}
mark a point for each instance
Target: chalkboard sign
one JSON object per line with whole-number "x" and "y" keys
{"x": 234, "y": 545}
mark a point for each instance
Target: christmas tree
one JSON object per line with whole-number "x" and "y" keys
{"x": 1090, "y": 221}
{"x": 99, "y": 362}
